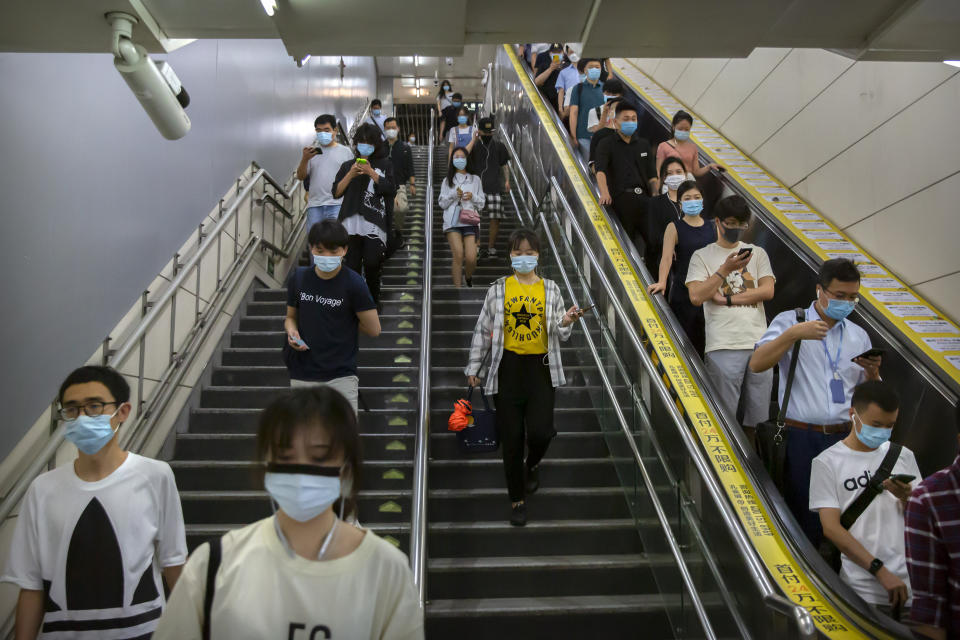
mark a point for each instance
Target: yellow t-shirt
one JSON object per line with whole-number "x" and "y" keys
{"x": 524, "y": 330}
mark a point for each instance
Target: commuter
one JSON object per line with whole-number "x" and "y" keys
{"x": 731, "y": 280}
{"x": 366, "y": 185}
{"x": 401, "y": 157}
{"x": 412, "y": 139}
{"x": 602, "y": 116}
{"x": 681, "y": 240}
{"x": 664, "y": 209}
{"x": 462, "y": 199}
{"x": 93, "y": 537}
{"x": 318, "y": 166}
{"x": 608, "y": 116}
{"x": 569, "y": 77}
{"x": 450, "y": 114}
{"x": 625, "y": 173}
{"x": 585, "y": 96}
{"x": 326, "y": 306}
{"x": 933, "y": 552}
{"x": 828, "y": 368}
{"x": 443, "y": 97}
{"x": 377, "y": 117}
{"x": 680, "y": 145}
{"x": 490, "y": 158}
{"x": 516, "y": 351}
{"x": 547, "y": 71}
{"x": 302, "y": 568}
{"x": 463, "y": 134}
{"x": 873, "y": 560}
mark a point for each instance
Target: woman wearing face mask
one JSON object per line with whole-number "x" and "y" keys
{"x": 516, "y": 351}
{"x": 412, "y": 139}
{"x": 462, "y": 199}
{"x": 443, "y": 97}
{"x": 680, "y": 145}
{"x": 664, "y": 209}
{"x": 304, "y": 563}
{"x": 681, "y": 239}
{"x": 365, "y": 184}
{"x": 464, "y": 134}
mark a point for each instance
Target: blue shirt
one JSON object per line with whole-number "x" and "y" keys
{"x": 810, "y": 398}
{"x": 568, "y": 79}
{"x": 587, "y": 97}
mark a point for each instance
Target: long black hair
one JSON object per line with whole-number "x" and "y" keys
{"x": 370, "y": 133}
{"x": 452, "y": 170}
{"x": 666, "y": 165}
{"x": 440, "y": 90}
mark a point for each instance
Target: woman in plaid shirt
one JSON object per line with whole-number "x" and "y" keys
{"x": 520, "y": 328}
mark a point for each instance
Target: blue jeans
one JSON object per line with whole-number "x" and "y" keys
{"x": 323, "y": 212}
{"x": 802, "y": 447}
{"x": 584, "y": 149}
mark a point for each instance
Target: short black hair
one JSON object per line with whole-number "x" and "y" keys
{"x": 732, "y": 207}
{"x": 597, "y": 60}
{"x": 390, "y": 119}
{"x": 456, "y": 96}
{"x": 370, "y": 133}
{"x": 626, "y": 105}
{"x": 325, "y": 118}
{"x": 840, "y": 269}
{"x": 109, "y": 377}
{"x": 521, "y": 234}
{"x": 680, "y": 116}
{"x": 329, "y": 234}
{"x": 376, "y": 103}
{"x": 613, "y": 85}
{"x": 685, "y": 186}
{"x": 581, "y": 64}
{"x": 883, "y": 394}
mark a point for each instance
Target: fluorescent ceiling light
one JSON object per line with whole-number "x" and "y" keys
{"x": 418, "y": 83}
{"x": 405, "y": 59}
{"x": 304, "y": 59}
{"x": 952, "y": 63}
{"x": 407, "y": 82}
{"x": 270, "y": 6}
{"x": 418, "y": 91}
{"x": 416, "y": 61}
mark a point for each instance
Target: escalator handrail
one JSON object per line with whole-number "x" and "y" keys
{"x": 418, "y": 513}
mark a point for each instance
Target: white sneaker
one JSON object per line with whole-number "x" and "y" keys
{"x": 492, "y": 252}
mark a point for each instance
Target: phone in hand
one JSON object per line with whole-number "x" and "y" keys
{"x": 870, "y": 353}
{"x": 905, "y": 478}
{"x": 585, "y": 309}
{"x": 721, "y": 169}
{"x": 317, "y": 151}
{"x": 299, "y": 342}
{"x": 361, "y": 161}
{"x": 745, "y": 251}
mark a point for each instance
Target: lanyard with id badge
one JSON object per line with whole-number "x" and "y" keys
{"x": 836, "y": 382}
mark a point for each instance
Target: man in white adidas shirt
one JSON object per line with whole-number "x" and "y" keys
{"x": 874, "y": 559}
{"x": 93, "y": 536}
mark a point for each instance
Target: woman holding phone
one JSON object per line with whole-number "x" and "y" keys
{"x": 516, "y": 351}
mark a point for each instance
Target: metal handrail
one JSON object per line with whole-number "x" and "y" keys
{"x": 675, "y": 550}
{"x": 757, "y": 571}
{"x": 418, "y": 515}
{"x": 153, "y": 310}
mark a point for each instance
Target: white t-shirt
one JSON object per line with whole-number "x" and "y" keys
{"x": 322, "y": 170}
{"x": 98, "y": 548}
{"x": 593, "y": 118}
{"x": 837, "y": 477}
{"x": 264, "y": 592}
{"x": 737, "y": 327}
{"x": 461, "y": 130}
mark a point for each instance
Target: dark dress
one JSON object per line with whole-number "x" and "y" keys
{"x": 662, "y": 212}
{"x": 689, "y": 239}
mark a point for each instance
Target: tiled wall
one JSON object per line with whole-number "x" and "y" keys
{"x": 872, "y": 145}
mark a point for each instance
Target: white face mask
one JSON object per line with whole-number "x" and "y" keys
{"x": 390, "y": 133}
{"x": 674, "y": 181}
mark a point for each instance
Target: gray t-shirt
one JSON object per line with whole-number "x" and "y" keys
{"x": 322, "y": 170}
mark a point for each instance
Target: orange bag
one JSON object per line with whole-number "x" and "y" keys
{"x": 460, "y": 417}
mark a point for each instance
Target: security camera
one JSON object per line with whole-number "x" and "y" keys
{"x": 436, "y": 82}
{"x": 449, "y": 60}
{"x": 157, "y": 88}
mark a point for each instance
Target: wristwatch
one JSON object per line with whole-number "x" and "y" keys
{"x": 875, "y": 566}
{"x": 729, "y": 300}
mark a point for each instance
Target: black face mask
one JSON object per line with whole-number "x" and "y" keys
{"x": 485, "y": 139}
{"x": 732, "y": 234}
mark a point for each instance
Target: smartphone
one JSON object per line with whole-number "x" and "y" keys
{"x": 318, "y": 151}
{"x": 555, "y": 57}
{"x": 722, "y": 169}
{"x": 905, "y": 478}
{"x": 361, "y": 161}
{"x": 585, "y": 309}
{"x": 744, "y": 251}
{"x": 872, "y": 353}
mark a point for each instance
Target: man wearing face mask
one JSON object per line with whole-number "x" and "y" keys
{"x": 874, "y": 559}
{"x": 548, "y": 70}
{"x": 401, "y": 157}
{"x": 318, "y": 165}
{"x": 567, "y": 79}
{"x": 93, "y": 536}
{"x": 490, "y": 158}
{"x": 377, "y": 117}
{"x": 602, "y": 116}
{"x": 326, "y": 306}
{"x": 828, "y": 368}
{"x": 585, "y": 96}
{"x": 450, "y": 114}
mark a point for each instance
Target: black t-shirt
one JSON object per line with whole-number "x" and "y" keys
{"x": 450, "y": 116}
{"x": 549, "y": 89}
{"x": 627, "y": 165}
{"x": 327, "y": 321}
{"x": 371, "y": 204}
{"x": 598, "y": 136}
{"x": 487, "y": 160}
{"x": 402, "y": 159}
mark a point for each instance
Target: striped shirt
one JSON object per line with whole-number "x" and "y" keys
{"x": 933, "y": 550}
{"x": 488, "y": 335}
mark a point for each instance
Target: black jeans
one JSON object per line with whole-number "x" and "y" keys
{"x": 524, "y": 413}
{"x": 631, "y": 209}
{"x": 365, "y": 256}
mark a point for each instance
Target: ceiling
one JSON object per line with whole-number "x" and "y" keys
{"x": 463, "y": 72}
{"x": 862, "y": 29}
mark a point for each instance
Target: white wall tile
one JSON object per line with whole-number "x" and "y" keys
{"x": 647, "y": 65}
{"x": 669, "y": 70}
{"x": 944, "y": 293}
{"x": 736, "y": 81}
{"x": 785, "y": 91}
{"x": 697, "y": 77}
{"x": 868, "y": 95}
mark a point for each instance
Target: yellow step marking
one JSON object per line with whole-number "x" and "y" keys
{"x": 396, "y": 445}
{"x": 392, "y": 541}
{"x": 402, "y": 359}
{"x": 400, "y": 377}
{"x": 398, "y": 421}
{"x": 393, "y": 474}
{"x": 400, "y": 398}
{"x": 390, "y": 507}
{"x": 404, "y": 341}
{"x": 405, "y": 324}
{"x": 407, "y": 309}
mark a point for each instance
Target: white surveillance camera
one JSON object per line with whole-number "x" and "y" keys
{"x": 157, "y": 88}
{"x": 449, "y": 61}
{"x": 436, "y": 82}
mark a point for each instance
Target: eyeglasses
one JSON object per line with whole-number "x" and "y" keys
{"x": 848, "y": 297}
{"x": 91, "y": 409}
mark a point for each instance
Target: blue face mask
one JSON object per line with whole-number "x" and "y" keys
{"x": 365, "y": 149}
{"x": 593, "y": 74}
{"x": 327, "y": 263}
{"x": 607, "y": 98}
{"x": 456, "y": 103}
{"x": 692, "y": 207}
{"x": 872, "y": 436}
{"x": 90, "y": 434}
{"x": 523, "y": 264}
{"x": 682, "y": 136}
{"x": 460, "y": 163}
{"x": 376, "y": 112}
{"x": 303, "y": 496}
{"x": 324, "y": 137}
{"x": 462, "y": 119}
{"x": 839, "y": 309}
{"x": 628, "y": 128}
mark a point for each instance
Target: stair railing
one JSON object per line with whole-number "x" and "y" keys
{"x": 418, "y": 514}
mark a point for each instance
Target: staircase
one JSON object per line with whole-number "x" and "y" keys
{"x": 214, "y": 461}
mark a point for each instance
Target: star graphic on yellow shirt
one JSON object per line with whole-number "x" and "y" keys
{"x": 523, "y": 317}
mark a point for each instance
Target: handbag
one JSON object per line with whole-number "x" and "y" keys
{"x": 479, "y": 435}
{"x": 401, "y": 204}
{"x": 771, "y": 435}
{"x": 469, "y": 216}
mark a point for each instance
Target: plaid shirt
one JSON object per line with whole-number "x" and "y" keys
{"x": 933, "y": 550}
{"x": 488, "y": 335}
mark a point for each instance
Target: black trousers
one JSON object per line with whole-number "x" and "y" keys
{"x": 365, "y": 256}
{"x": 524, "y": 415}
{"x": 631, "y": 208}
